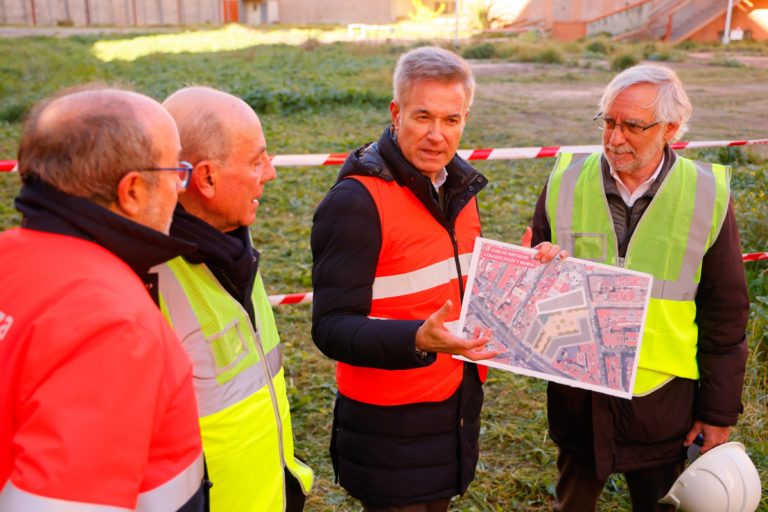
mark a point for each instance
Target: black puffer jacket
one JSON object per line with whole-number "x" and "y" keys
{"x": 397, "y": 455}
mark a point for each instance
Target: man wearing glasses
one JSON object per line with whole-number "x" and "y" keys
{"x": 217, "y": 304}
{"x": 639, "y": 205}
{"x": 97, "y": 405}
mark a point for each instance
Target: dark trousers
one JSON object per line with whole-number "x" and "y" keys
{"x": 578, "y": 488}
{"x": 294, "y": 496}
{"x": 430, "y": 506}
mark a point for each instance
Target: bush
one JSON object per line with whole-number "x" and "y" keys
{"x": 622, "y": 62}
{"x": 597, "y": 47}
{"x": 14, "y": 112}
{"x": 687, "y": 45}
{"x": 727, "y": 62}
{"x": 311, "y": 98}
{"x": 549, "y": 55}
{"x": 479, "y": 51}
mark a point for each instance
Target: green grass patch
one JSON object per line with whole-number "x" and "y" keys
{"x": 332, "y": 97}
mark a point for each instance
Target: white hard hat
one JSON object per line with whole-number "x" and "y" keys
{"x": 722, "y": 480}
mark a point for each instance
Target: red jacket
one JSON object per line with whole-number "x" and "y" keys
{"x": 96, "y": 398}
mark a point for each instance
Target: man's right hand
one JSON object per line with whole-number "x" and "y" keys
{"x": 433, "y": 336}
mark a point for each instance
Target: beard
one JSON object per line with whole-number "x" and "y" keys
{"x": 639, "y": 160}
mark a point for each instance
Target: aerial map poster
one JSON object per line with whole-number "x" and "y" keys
{"x": 571, "y": 321}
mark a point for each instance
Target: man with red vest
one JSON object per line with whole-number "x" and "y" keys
{"x": 97, "y": 406}
{"x": 391, "y": 244}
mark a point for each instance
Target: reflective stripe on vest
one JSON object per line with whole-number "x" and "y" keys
{"x": 416, "y": 273}
{"x": 168, "y": 496}
{"x": 245, "y": 416}
{"x": 670, "y": 241}
{"x": 221, "y": 349}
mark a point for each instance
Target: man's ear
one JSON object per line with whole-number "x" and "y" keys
{"x": 132, "y": 195}
{"x": 669, "y": 131}
{"x": 394, "y": 111}
{"x": 204, "y": 178}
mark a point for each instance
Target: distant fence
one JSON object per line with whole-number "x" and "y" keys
{"x": 128, "y": 13}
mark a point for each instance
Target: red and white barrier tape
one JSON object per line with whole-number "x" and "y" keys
{"x": 474, "y": 154}
{"x": 755, "y": 256}
{"x": 291, "y": 298}
{"x": 306, "y": 298}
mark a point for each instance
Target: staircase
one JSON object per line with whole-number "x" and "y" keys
{"x": 694, "y": 15}
{"x": 676, "y": 20}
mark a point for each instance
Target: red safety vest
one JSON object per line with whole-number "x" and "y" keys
{"x": 416, "y": 273}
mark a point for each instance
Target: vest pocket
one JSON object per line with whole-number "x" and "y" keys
{"x": 590, "y": 246}
{"x": 231, "y": 352}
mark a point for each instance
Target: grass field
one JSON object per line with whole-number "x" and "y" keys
{"x": 320, "y": 98}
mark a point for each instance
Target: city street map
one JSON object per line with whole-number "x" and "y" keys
{"x": 571, "y": 321}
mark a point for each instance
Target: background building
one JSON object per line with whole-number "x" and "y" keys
{"x": 671, "y": 20}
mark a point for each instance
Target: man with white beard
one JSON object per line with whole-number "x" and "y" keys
{"x": 638, "y": 205}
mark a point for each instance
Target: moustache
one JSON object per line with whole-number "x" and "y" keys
{"x": 619, "y": 150}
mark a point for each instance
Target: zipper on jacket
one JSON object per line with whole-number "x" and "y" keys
{"x": 270, "y": 383}
{"x": 643, "y": 217}
{"x": 455, "y": 243}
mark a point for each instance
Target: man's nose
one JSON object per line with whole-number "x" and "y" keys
{"x": 269, "y": 170}
{"x": 435, "y": 131}
{"x": 617, "y": 135}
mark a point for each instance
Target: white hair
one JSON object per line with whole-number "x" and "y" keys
{"x": 431, "y": 63}
{"x": 671, "y": 105}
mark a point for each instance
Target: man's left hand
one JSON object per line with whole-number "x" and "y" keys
{"x": 547, "y": 251}
{"x": 713, "y": 435}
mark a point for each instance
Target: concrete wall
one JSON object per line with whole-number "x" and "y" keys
{"x": 110, "y": 12}
{"x": 336, "y": 11}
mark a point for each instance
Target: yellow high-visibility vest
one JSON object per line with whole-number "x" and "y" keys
{"x": 244, "y": 413}
{"x": 680, "y": 224}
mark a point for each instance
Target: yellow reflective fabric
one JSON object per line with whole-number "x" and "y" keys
{"x": 245, "y": 417}
{"x": 667, "y": 349}
{"x": 668, "y": 233}
{"x": 244, "y": 465}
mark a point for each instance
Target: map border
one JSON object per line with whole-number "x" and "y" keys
{"x": 479, "y": 244}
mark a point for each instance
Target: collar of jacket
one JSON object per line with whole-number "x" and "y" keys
{"x": 46, "y": 209}
{"x": 383, "y": 159}
{"x": 670, "y": 157}
{"x": 230, "y": 256}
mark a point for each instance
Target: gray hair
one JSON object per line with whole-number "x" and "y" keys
{"x": 94, "y": 139}
{"x": 431, "y": 63}
{"x": 671, "y": 105}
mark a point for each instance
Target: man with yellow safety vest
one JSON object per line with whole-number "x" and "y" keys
{"x": 97, "y": 405}
{"x": 391, "y": 244}
{"x": 639, "y": 205}
{"x": 215, "y": 300}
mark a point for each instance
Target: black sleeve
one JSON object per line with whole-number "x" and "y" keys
{"x": 722, "y": 307}
{"x": 346, "y": 240}
{"x": 540, "y": 223}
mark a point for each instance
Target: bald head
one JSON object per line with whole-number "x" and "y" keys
{"x": 209, "y": 121}
{"x": 222, "y": 137}
{"x": 84, "y": 141}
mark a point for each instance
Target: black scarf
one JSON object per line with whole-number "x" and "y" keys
{"x": 230, "y": 256}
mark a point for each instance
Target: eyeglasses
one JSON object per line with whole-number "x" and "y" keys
{"x": 184, "y": 170}
{"x": 608, "y": 124}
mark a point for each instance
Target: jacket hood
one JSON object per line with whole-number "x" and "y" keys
{"x": 384, "y": 160}
{"x": 140, "y": 247}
